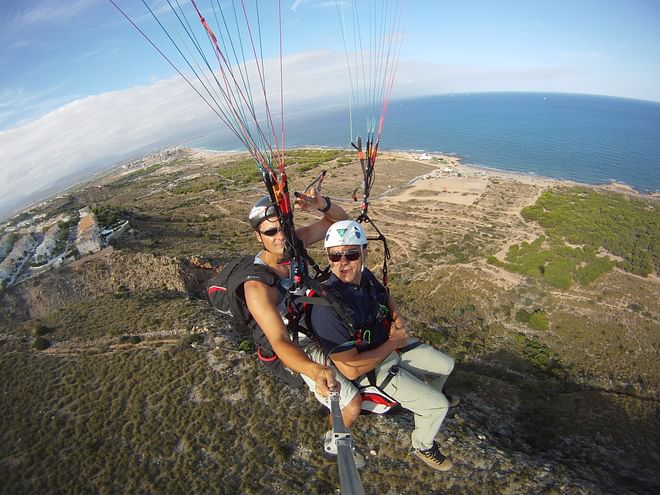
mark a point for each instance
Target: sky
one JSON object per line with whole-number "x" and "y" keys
{"x": 81, "y": 89}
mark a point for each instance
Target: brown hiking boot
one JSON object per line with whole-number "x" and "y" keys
{"x": 433, "y": 458}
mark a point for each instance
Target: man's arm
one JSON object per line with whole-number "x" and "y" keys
{"x": 395, "y": 314}
{"x": 351, "y": 363}
{"x": 314, "y": 232}
{"x": 262, "y": 303}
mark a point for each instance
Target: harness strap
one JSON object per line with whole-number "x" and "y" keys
{"x": 364, "y": 218}
{"x": 371, "y": 375}
{"x": 408, "y": 347}
{"x": 391, "y": 373}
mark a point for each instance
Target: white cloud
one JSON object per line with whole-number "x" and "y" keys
{"x": 296, "y": 4}
{"x": 109, "y": 127}
{"x": 585, "y": 55}
{"x": 104, "y": 127}
{"x": 49, "y": 11}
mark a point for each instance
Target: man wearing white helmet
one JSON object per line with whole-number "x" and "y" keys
{"x": 377, "y": 349}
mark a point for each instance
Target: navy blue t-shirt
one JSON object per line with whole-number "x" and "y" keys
{"x": 366, "y": 304}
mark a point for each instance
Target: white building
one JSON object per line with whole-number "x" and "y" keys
{"x": 46, "y": 248}
{"x": 15, "y": 259}
{"x": 89, "y": 234}
{"x": 5, "y": 245}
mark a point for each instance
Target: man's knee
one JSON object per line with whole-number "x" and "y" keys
{"x": 351, "y": 411}
{"x": 450, "y": 363}
{"x": 354, "y": 406}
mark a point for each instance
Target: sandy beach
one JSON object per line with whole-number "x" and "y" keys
{"x": 446, "y": 178}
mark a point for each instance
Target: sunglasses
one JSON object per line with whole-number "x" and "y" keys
{"x": 272, "y": 232}
{"x": 351, "y": 255}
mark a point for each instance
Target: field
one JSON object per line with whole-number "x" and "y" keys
{"x": 553, "y": 318}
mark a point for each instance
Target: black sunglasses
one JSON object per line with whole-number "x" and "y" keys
{"x": 272, "y": 232}
{"x": 351, "y": 255}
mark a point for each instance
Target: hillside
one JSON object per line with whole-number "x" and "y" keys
{"x": 143, "y": 389}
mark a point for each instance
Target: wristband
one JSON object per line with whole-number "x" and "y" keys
{"x": 328, "y": 204}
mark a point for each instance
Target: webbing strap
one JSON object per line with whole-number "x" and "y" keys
{"x": 371, "y": 376}
{"x": 408, "y": 347}
{"x": 391, "y": 373}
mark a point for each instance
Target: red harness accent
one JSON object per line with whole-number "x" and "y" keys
{"x": 265, "y": 359}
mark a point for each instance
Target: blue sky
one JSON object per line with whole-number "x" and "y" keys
{"x": 79, "y": 86}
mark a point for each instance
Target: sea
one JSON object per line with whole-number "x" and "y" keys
{"x": 583, "y": 138}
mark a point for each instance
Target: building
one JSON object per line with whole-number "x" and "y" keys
{"x": 88, "y": 240}
{"x": 6, "y": 243}
{"x": 13, "y": 263}
{"x": 46, "y": 248}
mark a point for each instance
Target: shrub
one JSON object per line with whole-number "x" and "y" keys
{"x": 195, "y": 338}
{"x": 246, "y": 346}
{"x": 558, "y": 273}
{"x": 538, "y": 320}
{"x": 40, "y": 329}
{"x": 493, "y": 260}
{"x": 522, "y": 316}
{"x": 241, "y": 173}
{"x": 41, "y": 344}
{"x": 122, "y": 292}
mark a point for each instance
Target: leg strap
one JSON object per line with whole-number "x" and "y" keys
{"x": 391, "y": 373}
{"x": 409, "y": 347}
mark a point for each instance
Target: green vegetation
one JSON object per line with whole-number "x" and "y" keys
{"x": 40, "y": 329}
{"x": 247, "y": 346}
{"x": 108, "y": 216}
{"x": 536, "y": 320}
{"x": 123, "y": 313}
{"x": 622, "y": 226}
{"x": 122, "y": 402}
{"x": 241, "y": 173}
{"x": 464, "y": 250}
{"x": 305, "y": 160}
{"x": 582, "y": 228}
{"x": 195, "y": 338}
{"x": 137, "y": 174}
{"x": 246, "y": 172}
{"x": 199, "y": 185}
{"x": 557, "y": 264}
{"x": 63, "y": 235}
{"x": 539, "y": 355}
{"x": 41, "y": 344}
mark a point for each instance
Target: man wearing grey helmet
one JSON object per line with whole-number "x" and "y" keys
{"x": 264, "y": 299}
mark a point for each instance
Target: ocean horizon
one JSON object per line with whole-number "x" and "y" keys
{"x": 582, "y": 138}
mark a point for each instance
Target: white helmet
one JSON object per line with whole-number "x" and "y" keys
{"x": 345, "y": 233}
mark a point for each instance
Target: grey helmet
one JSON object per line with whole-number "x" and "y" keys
{"x": 262, "y": 209}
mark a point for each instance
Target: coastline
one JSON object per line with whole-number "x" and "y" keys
{"x": 465, "y": 178}
{"x": 470, "y": 170}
